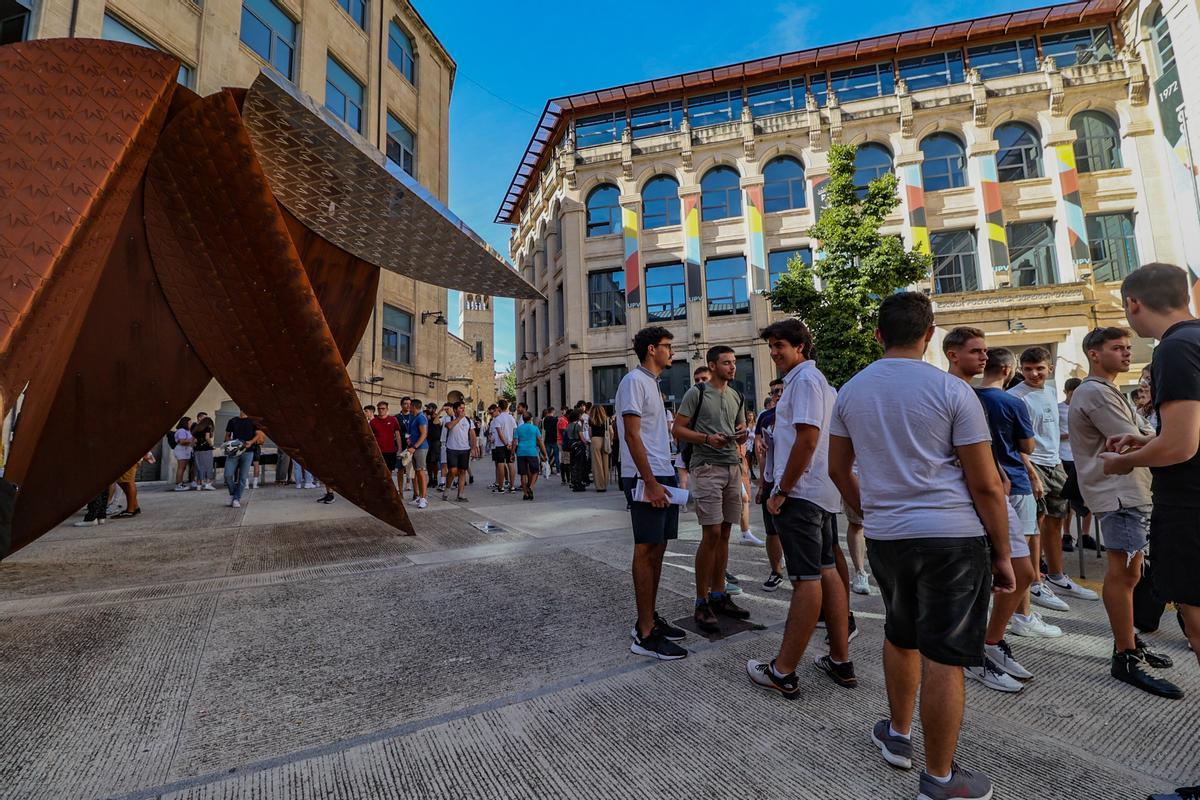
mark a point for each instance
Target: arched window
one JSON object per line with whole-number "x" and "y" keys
{"x": 783, "y": 185}
{"x": 1097, "y": 142}
{"x": 1020, "y": 154}
{"x": 1164, "y": 49}
{"x": 660, "y": 202}
{"x": 870, "y": 161}
{"x": 603, "y": 210}
{"x": 945, "y": 164}
{"x": 720, "y": 194}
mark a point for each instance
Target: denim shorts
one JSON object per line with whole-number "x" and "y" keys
{"x": 1126, "y": 530}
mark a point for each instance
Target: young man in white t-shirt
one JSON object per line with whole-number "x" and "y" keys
{"x": 930, "y": 499}
{"x": 1042, "y": 402}
{"x": 646, "y": 454}
{"x": 803, "y": 502}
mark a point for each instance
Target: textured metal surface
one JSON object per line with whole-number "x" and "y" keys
{"x": 349, "y": 193}
{"x": 239, "y": 290}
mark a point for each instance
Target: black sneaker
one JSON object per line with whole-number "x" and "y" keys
{"x": 726, "y": 608}
{"x": 327, "y": 498}
{"x": 672, "y": 632}
{"x": 497, "y": 490}
{"x": 773, "y": 582}
{"x": 853, "y": 631}
{"x": 1068, "y": 543}
{"x": 1089, "y": 543}
{"x": 730, "y": 578}
{"x": 1128, "y": 666}
{"x": 705, "y": 619}
{"x": 657, "y": 646}
{"x": 762, "y": 673}
{"x": 1152, "y": 658}
{"x": 842, "y": 674}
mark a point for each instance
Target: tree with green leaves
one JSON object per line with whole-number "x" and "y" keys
{"x": 508, "y": 384}
{"x": 857, "y": 266}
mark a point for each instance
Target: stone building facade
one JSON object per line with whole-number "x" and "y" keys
{"x": 1031, "y": 153}
{"x": 375, "y": 64}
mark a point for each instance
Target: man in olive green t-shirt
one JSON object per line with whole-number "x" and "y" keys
{"x": 710, "y": 419}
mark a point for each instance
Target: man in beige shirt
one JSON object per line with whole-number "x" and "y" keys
{"x": 1121, "y": 503}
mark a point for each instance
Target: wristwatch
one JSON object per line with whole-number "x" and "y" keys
{"x": 775, "y": 490}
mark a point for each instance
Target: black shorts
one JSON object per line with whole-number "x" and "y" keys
{"x": 1071, "y": 490}
{"x": 528, "y": 465}
{"x": 458, "y": 459}
{"x": 652, "y": 525}
{"x": 1175, "y": 553}
{"x": 390, "y": 460}
{"x": 935, "y": 595}
{"x": 768, "y": 517}
{"x": 806, "y": 533}
{"x": 501, "y": 455}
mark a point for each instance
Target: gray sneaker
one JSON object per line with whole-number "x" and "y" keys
{"x": 963, "y": 785}
{"x": 896, "y": 750}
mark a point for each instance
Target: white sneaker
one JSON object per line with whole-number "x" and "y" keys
{"x": 1033, "y": 626}
{"x": 310, "y": 485}
{"x": 422, "y": 502}
{"x": 1041, "y": 595}
{"x": 749, "y": 538}
{"x": 1072, "y": 589}
{"x": 1001, "y": 656}
{"x": 993, "y": 678}
{"x": 181, "y": 487}
{"x": 254, "y": 483}
{"x": 208, "y": 487}
{"x": 235, "y": 504}
{"x": 860, "y": 583}
{"x": 193, "y": 485}
{"x": 85, "y": 523}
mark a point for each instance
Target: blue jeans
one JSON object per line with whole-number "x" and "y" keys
{"x": 552, "y": 455}
{"x": 237, "y": 474}
{"x": 300, "y": 475}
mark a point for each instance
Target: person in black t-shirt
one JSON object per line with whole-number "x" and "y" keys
{"x": 1156, "y": 305}
{"x": 238, "y": 464}
{"x": 550, "y": 438}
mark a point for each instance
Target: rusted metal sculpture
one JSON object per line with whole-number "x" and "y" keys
{"x": 151, "y": 240}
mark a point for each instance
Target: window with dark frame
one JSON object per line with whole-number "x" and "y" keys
{"x": 343, "y": 94}
{"x": 401, "y": 52}
{"x": 1078, "y": 47}
{"x": 871, "y": 161}
{"x": 777, "y": 262}
{"x": 720, "y": 194}
{"x": 401, "y": 145}
{"x": 939, "y": 69}
{"x": 660, "y": 202}
{"x": 1003, "y": 58}
{"x": 725, "y": 286}
{"x": 945, "y": 162}
{"x": 599, "y": 129}
{"x": 783, "y": 184}
{"x": 114, "y": 30}
{"x": 605, "y": 381}
{"x": 858, "y": 83}
{"x": 1020, "y": 154}
{"x": 606, "y": 298}
{"x": 666, "y": 296}
{"x": 955, "y": 263}
{"x": 397, "y": 335}
{"x": 357, "y": 9}
{"x": 1097, "y": 142}
{"x": 603, "y": 210}
{"x": 1113, "y": 245}
{"x": 779, "y": 97}
{"x": 714, "y": 109}
{"x": 1031, "y": 254}
{"x": 656, "y": 119}
{"x": 560, "y": 312}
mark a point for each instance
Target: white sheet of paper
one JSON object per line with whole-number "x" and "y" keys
{"x": 676, "y": 496}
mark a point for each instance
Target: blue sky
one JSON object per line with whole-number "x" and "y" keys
{"x": 512, "y": 57}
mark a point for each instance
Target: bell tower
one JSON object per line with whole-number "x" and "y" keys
{"x": 477, "y": 315}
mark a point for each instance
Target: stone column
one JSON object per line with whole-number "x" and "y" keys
{"x": 1071, "y": 233}
{"x": 993, "y": 258}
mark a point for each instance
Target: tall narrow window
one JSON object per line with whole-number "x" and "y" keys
{"x": 744, "y": 383}
{"x": 1097, "y": 143}
{"x": 945, "y": 164}
{"x": 397, "y": 335}
{"x": 720, "y": 194}
{"x": 665, "y": 295}
{"x": 14, "y": 23}
{"x": 725, "y": 285}
{"x": 660, "y": 202}
{"x": 603, "y": 210}
{"x": 401, "y": 52}
{"x": 870, "y": 162}
{"x": 606, "y": 298}
{"x": 343, "y": 94}
{"x": 1164, "y": 48}
{"x": 357, "y": 9}
{"x": 1113, "y": 246}
{"x": 560, "y": 312}
{"x": 401, "y": 145}
{"x": 271, "y": 33}
{"x": 1031, "y": 254}
{"x": 116, "y": 31}
{"x": 955, "y": 267}
{"x": 605, "y": 381}
{"x": 1020, "y": 154}
{"x": 783, "y": 184}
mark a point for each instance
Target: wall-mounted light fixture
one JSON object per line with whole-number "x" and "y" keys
{"x": 439, "y": 317}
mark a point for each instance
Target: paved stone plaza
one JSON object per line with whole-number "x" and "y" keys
{"x": 293, "y": 650}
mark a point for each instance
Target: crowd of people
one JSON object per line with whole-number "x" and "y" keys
{"x": 959, "y": 480}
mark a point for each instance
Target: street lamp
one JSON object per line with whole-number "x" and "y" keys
{"x": 440, "y": 318}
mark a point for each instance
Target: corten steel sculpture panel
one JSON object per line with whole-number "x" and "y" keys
{"x": 151, "y": 240}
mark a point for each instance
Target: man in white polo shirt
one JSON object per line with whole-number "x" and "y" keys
{"x": 646, "y": 453}
{"x": 803, "y": 502}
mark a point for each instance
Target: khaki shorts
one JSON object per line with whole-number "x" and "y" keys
{"x": 717, "y": 492}
{"x": 419, "y": 458}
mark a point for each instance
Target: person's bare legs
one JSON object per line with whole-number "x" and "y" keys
{"x": 856, "y": 543}
{"x": 647, "y": 567}
{"x": 1119, "y": 582}
{"x": 839, "y": 562}
{"x": 1191, "y": 621}
{"x": 835, "y": 593}
{"x": 706, "y": 558}
{"x": 1004, "y": 605}
{"x": 775, "y": 552}
{"x": 942, "y": 700}
{"x": 421, "y": 477}
{"x": 720, "y": 560}
{"x": 1024, "y": 606}
{"x": 131, "y": 500}
{"x": 801, "y": 622}
{"x": 902, "y": 676}
{"x": 1051, "y": 529}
